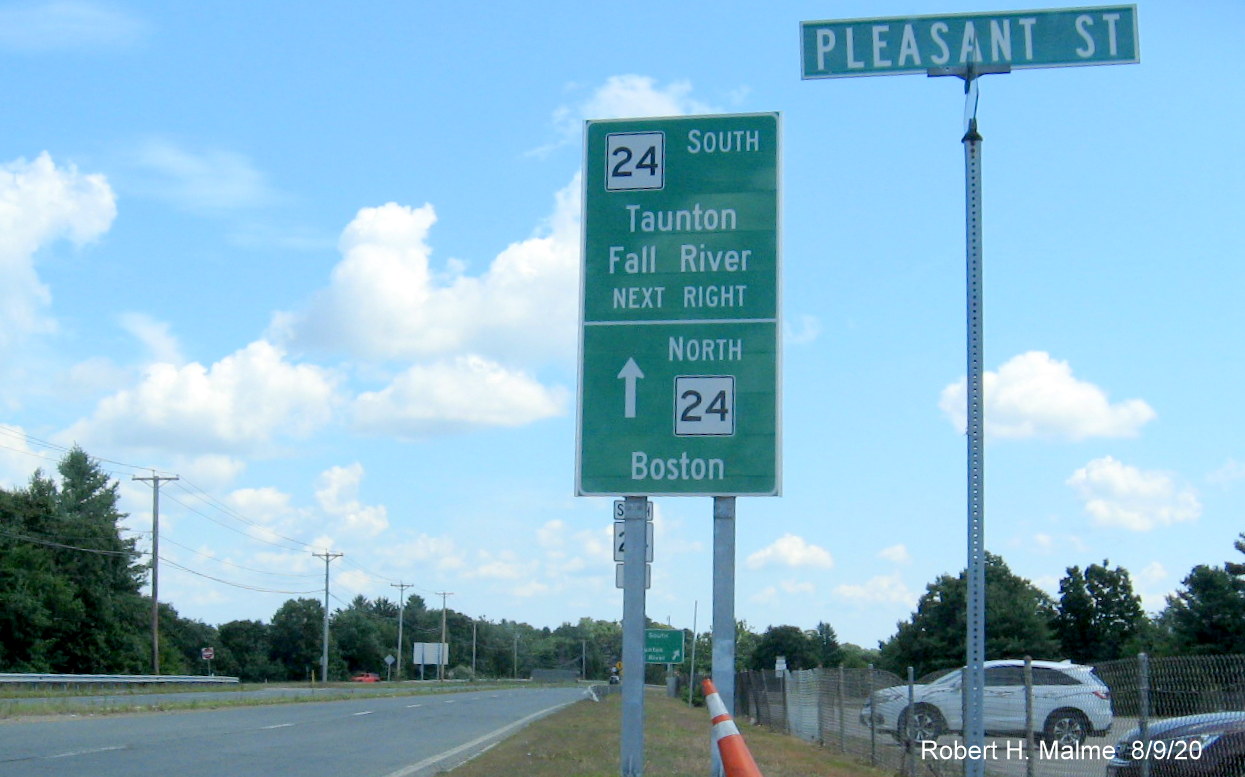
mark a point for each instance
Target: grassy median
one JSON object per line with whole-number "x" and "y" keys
{"x": 583, "y": 741}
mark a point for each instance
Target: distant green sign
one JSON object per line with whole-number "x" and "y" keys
{"x": 1018, "y": 39}
{"x": 679, "y": 343}
{"x": 663, "y": 646}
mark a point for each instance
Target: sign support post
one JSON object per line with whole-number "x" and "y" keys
{"x": 635, "y": 509}
{"x": 723, "y": 609}
{"x": 975, "y": 634}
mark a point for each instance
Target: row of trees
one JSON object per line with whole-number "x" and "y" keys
{"x": 71, "y": 601}
{"x": 1097, "y": 617}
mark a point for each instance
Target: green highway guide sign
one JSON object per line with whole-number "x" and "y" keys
{"x": 1018, "y": 39}
{"x": 679, "y": 341}
{"x": 663, "y": 646}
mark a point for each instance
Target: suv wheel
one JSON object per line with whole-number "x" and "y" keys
{"x": 1066, "y": 728}
{"x": 927, "y": 724}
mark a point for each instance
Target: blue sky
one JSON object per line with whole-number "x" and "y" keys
{"x": 321, "y": 262}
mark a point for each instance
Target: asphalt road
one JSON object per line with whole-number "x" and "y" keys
{"x": 409, "y": 736}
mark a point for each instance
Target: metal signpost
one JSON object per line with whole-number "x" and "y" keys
{"x": 968, "y": 46}
{"x": 679, "y": 342}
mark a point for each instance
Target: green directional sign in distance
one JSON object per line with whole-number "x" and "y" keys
{"x": 663, "y": 646}
{"x": 1017, "y": 39}
{"x": 679, "y": 351}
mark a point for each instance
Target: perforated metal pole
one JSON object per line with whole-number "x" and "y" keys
{"x": 974, "y": 674}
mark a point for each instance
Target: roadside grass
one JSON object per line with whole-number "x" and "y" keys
{"x": 583, "y": 741}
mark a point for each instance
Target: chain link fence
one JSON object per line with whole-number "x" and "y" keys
{"x": 1058, "y": 721}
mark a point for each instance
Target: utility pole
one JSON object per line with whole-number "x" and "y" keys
{"x": 324, "y": 655}
{"x": 473, "y": 648}
{"x": 401, "y": 606}
{"x": 441, "y": 657}
{"x": 516, "y": 655}
{"x": 155, "y": 565}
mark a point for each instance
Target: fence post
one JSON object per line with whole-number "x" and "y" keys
{"x": 842, "y": 713}
{"x": 873, "y": 724}
{"x": 908, "y": 752}
{"x": 1029, "y": 765}
{"x": 1143, "y": 713}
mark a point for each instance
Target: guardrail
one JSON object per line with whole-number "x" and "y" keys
{"x": 113, "y": 679}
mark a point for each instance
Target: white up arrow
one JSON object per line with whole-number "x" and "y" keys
{"x": 630, "y": 373}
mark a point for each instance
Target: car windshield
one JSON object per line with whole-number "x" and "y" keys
{"x": 951, "y": 678}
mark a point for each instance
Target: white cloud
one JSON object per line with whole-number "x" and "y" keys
{"x": 62, "y": 25}
{"x": 624, "y": 96}
{"x": 631, "y": 95}
{"x": 1033, "y": 395}
{"x": 1231, "y": 471}
{"x": 208, "y": 182}
{"x": 243, "y": 402}
{"x": 1044, "y": 543}
{"x": 469, "y": 392}
{"x": 17, "y": 459}
{"x": 785, "y": 589}
{"x": 266, "y": 504}
{"x": 1117, "y": 495}
{"x": 385, "y": 301}
{"x": 155, "y": 335}
{"x": 41, "y": 203}
{"x": 897, "y": 554}
{"x": 337, "y": 493}
{"x": 792, "y": 551}
{"x": 440, "y": 552}
{"x": 808, "y": 331}
{"x": 882, "y": 589}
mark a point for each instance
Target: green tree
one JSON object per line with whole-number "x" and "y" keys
{"x": 38, "y": 604}
{"x": 1232, "y": 567}
{"x": 112, "y": 636}
{"x": 1207, "y": 617}
{"x": 357, "y": 636}
{"x": 296, "y": 635}
{"x": 800, "y": 650}
{"x": 244, "y": 651}
{"x": 1018, "y": 623}
{"x": 1099, "y": 615}
{"x": 857, "y": 657}
{"x": 829, "y": 653}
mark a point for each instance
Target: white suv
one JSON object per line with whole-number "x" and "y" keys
{"x": 1069, "y": 704}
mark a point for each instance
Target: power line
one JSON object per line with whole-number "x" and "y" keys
{"x": 235, "y": 585}
{"x": 238, "y": 566}
{"x": 51, "y": 544}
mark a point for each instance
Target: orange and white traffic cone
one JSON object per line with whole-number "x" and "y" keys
{"x": 736, "y": 760}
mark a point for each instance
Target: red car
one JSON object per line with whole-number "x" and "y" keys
{"x": 365, "y": 677}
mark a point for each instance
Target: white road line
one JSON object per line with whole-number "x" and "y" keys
{"x": 450, "y": 701}
{"x": 87, "y": 752}
{"x": 279, "y": 725}
{"x": 407, "y": 771}
{"x": 413, "y": 706}
{"x": 361, "y": 714}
